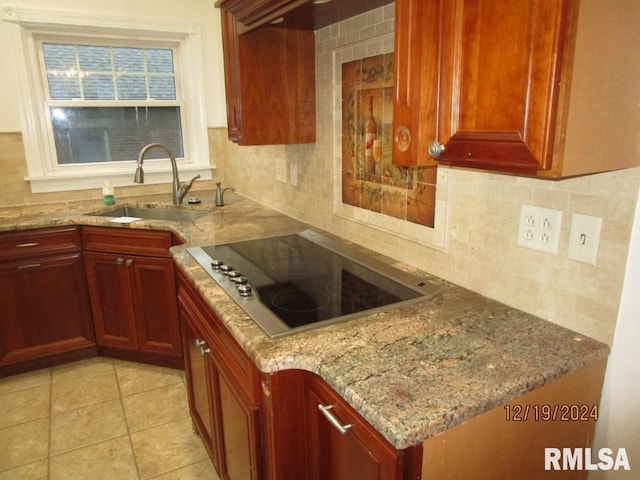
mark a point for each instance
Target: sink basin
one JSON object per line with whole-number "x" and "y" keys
{"x": 167, "y": 214}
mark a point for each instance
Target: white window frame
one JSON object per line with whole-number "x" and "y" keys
{"x": 26, "y": 27}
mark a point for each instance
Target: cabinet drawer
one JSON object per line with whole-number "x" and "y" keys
{"x": 41, "y": 241}
{"x": 127, "y": 241}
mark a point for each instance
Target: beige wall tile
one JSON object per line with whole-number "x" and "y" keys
{"x": 481, "y": 250}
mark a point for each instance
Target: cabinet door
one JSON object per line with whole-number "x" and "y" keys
{"x": 198, "y": 370}
{"x": 239, "y": 423}
{"x": 357, "y": 452}
{"x": 155, "y": 305}
{"x": 417, "y": 57}
{"x": 44, "y": 308}
{"x": 500, "y": 81}
{"x": 111, "y": 300}
{"x": 270, "y": 84}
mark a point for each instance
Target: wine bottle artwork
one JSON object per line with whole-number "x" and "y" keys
{"x": 370, "y": 136}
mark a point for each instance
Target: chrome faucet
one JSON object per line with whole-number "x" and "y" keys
{"x": 179, "y": 190}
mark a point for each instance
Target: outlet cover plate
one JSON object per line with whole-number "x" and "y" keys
{"x": 539, "y": 228}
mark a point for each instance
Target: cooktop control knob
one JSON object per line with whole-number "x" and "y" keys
{"x": 239, "y": 280}
{"x": 234, "y": 274}
{"x": 244, "y": 290}
{"x": 216, "y": 264}
{"x": 225, "y": 269}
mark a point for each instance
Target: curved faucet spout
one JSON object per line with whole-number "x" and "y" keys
{"x": 179, "y": 191}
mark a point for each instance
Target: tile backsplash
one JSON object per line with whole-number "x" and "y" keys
{"x": 477, "y": 244}
{"x": 474, "y": 241}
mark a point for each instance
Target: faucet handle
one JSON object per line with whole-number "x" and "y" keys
{"x": 185, "y": 187}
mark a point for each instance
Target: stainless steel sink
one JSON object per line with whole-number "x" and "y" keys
{"x": 147, "y": 213}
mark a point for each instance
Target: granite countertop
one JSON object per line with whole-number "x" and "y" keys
{"x": 412, "y": 372}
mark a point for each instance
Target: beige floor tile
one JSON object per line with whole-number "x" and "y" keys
{"x": 86, "y": 426}
{"x": 197, "y": 471}
{"x": 166, "y": 448}
{"x": 169, "y": 404}
{"x": 81, "y": 368}
{"x": 24, "y": 443}
{"x": 25, "y": 381}
{"x": 80, "y": 387}
{"x": 108, "y": 460}
{"x": 135, "y": 378}
{"x": 33, "y": 471}
{"x": 25, "y": 405}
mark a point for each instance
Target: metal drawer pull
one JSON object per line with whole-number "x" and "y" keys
{"x": 26, "y": 245}
{"x": 30, "y": 265}
{"x": 129, "y": 262}
{"x": 119, "y": 261}
{"x": 333, "y": 420}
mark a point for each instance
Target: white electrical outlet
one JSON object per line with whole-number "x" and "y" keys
{"x": 539, "y": 228}
{"x": 293, "y": 174}
{"x": 281, "y": 170}
{"x": 584, "y": 238}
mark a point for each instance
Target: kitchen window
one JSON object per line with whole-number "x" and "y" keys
{"x": 94, "y": 91}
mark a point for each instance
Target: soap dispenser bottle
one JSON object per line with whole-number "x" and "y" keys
{"x": 107, "y": 193}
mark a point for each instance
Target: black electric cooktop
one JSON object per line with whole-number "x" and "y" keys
{"x": 296, "y": 282}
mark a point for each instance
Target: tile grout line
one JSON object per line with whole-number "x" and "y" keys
{"x": 126, "y": 420}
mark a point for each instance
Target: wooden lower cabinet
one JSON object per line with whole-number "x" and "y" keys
{"x": 44, "y": 307}
{"x": 132, "y": 286}
{"x": 268, "y": 426}
{"x": 291, "y": 425}
{"x": 224, "y": 392}
{"x": 340, "y": 445}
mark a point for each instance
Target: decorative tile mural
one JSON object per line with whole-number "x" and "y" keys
{"x": 369, "y": 179}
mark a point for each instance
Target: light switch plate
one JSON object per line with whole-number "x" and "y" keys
{"x": 281, "y": 170}
{"x": 584, "y": 238}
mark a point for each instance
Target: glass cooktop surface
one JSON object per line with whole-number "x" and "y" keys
{"x": 294, "y": 282}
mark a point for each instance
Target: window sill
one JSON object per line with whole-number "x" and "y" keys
{"x": 65, "y": 181}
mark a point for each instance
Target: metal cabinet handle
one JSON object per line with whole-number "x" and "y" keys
{"x": 119, "y": 260}
{"x": 29, "y": 265}
{"x": 435, "y": 149}
{"x": 333, "y": 420}
{"x": 204, "y": 351}
{"x": 199, "y": 342}
{"x": 129, "y": 262}
{"x": 26, "y": 245}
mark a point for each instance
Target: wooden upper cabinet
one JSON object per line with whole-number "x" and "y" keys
{"x": 270, "y": 84}
{"x": 417, "y": 45}
{"x": 516, "y": 86}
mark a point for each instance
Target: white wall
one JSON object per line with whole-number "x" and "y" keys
{"x": 619, "y": 424}
{"x": 192, "y": 11}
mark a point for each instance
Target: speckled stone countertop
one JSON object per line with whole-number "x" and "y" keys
{"x": 412, "y": 372}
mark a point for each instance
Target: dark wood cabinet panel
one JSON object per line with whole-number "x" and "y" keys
{"x": 44, "y": 306}
{"x": 358, "y": 451}
{"x": 223, "y": 390}
{"x": 200, "y": 382}
{"x": 156, "y": 313}
{"x": 490, "y": 85}
{"x": 131, "y": 280}
{"x": 111, "y": 300}
{"x": 270, "y": 84}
